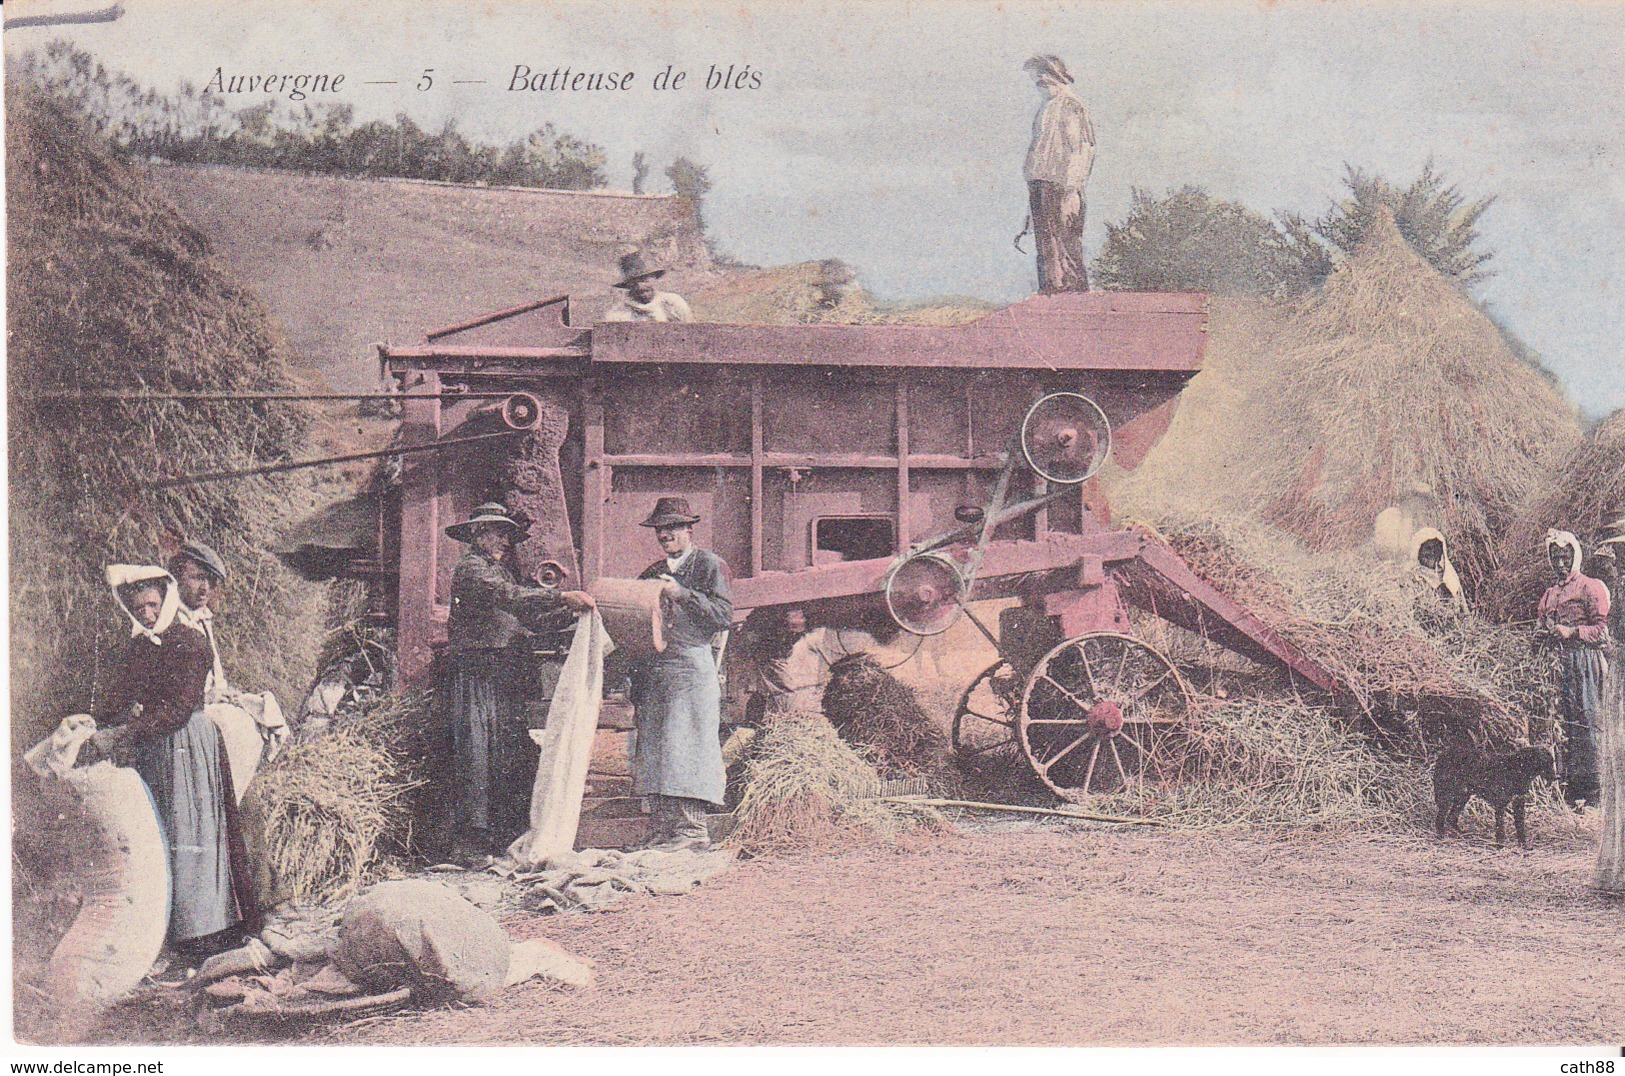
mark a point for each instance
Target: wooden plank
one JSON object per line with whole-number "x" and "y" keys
{"x": 1146, "y": 348}
{"x": 594, "y": 486}
{"x": 417, "y": 625}
{"x": 756, "y": 475}
{"x": 904, "y": 528}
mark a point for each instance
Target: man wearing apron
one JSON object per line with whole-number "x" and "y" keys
{"x": 677, "y": 694}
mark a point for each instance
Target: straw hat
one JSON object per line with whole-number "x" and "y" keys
{"x": 490, "y": 512}
{"x": 671, "y": 512}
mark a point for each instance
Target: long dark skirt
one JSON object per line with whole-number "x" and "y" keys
{"x": 495, "y": 756}
{"x": 189, "y": 776}
{"x": 1584, "y": 673}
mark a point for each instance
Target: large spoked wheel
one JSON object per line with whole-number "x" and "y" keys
{"x": 985, "y": 723}
{"x": 1098, "y": 714}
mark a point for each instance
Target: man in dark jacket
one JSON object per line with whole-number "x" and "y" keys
{"x": 677, "y": 694}
{"x": 495, "y": 760}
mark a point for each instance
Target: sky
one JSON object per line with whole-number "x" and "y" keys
{"x": 891, "y": 134}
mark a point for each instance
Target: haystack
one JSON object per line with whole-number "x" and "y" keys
{"x": 109, "y": 289}
{"x": 818, "y": 292}
{"x": 1386, "y": 382}
{"x": 805, "y": 786}
{"x": 871, "y": 708}
{"x": 1584, "y": 495}
{"x": 333, "y": 808}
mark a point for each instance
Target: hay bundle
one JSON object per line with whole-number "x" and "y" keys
{"x": 805, "y": 787}
{"x": 108, "y": 288}
{"x": 1385, "y": 382}
{"x": 871, "y": 707}
{"x": 1584, "y": 495}
{"x": 818, "y": 292}
{"x": 1425, "y": 672}
{"x": 1280, "y": 763}
{"x": 331, "y": 807}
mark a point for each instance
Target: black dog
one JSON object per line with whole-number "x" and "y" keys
{"x": 1463, "y": 772}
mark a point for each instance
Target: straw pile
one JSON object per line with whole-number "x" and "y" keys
{"x": 1423, "y": 672}
{"x": 805, "y": 787}
{"x": 871, "y": 708}
{"x": 334, "y": 808}
{"x": 110, "y": 289}
{"x": 1386, "y": 381}
{"x": 818, "y": 293}
{"x": 1585, "y": 495}
{"x": 1279, "y": 763}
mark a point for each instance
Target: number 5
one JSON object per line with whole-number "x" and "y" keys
{"x": 427, "y": 80}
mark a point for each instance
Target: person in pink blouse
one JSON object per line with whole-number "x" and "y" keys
{"x": 1573, "y": 616}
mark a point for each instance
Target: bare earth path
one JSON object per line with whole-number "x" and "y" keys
{"x": 1043, "y": 936}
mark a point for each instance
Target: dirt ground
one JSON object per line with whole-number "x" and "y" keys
{"x": 1039, "y": 933}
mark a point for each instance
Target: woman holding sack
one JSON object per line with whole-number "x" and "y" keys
{"x": 494, "y": 758}
{"x": 153, "y": 720}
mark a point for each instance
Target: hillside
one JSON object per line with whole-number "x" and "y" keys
{"x": 343, "y": 263}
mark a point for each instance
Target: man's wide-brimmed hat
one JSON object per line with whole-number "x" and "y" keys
{"x": 634, "y": 269}
{"x": 1049, "y": 64}
{"x": 671, "y": 512}
{"x": 488, "y": 513}
{"x": 208, "y": 559}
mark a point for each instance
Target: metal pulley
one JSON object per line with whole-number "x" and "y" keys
{"x": 1065, "y": 438}
{"x": 521, "y": 411}
{"x": 925, "y": 594}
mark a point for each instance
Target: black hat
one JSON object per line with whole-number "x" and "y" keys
{"x": 200, "y": 554}
{"x": 490, "y": 512}
{"x": 671, "y": 512}
{"x": 634, "y": 269}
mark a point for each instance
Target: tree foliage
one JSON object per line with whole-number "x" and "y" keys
{"x": 197, "y": 127}
{"x": 1187, "y": 240}
{"x": 1433, "y": 216}
{"x": 1190, "y": 241}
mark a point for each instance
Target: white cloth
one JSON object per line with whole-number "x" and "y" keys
{"x": 122, "y": 874}
{"x": 675, "y": 564}
{"x": 566, "y": 748}
{"x": 1063, "y": 145}
{"x": 1555, "y": 537}
{"x": 665, "y": 306}
{"x": 1444, "y": 576}
{"x": 119, "y": 575}
{"x": 220, "y": 698}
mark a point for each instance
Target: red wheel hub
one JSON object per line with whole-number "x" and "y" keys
{"x": 1105, "y": 718}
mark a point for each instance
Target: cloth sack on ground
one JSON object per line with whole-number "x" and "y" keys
{"x": 422, "y": 935}
{"x": 566, "y": 748}
{"x": 124, "y": 872}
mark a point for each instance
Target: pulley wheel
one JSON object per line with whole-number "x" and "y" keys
{"x": 924, "y": 594}
{"x": 1065, "y": 437}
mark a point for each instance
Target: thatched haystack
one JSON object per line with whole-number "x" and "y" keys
{"x": 110, "y": 289}
{"x": 1586, "y": 494}
{"x": 1386, "y": 381}
{"x": 871, "y": 708}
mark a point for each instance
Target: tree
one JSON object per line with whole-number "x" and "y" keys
{"x": 1434, "y": 217}
{"x": 1190, "y": 241}
{"x": 640, "y": 171}
{"x": 691, "y": 182}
